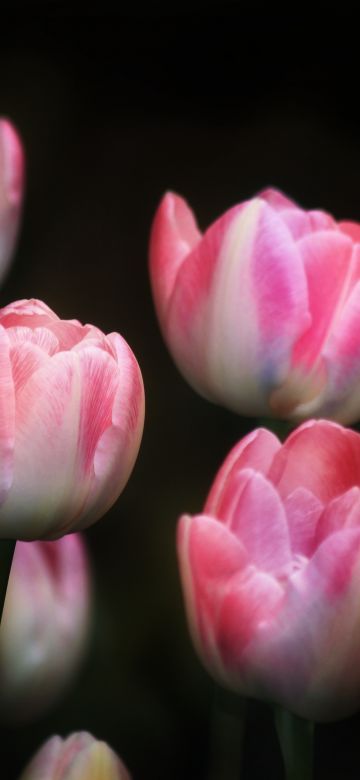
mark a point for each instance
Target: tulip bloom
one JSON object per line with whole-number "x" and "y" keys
{"x": 11, "y": 190}
{"x": 79, "y": 757}
{"x": 45, "y": 624}
{"x": 71, "y": 419}
{"x": 271, "y": 570}
{"x": 262, "y": 312}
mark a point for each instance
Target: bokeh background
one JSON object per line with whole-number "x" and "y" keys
{"x": 214, "y": 102}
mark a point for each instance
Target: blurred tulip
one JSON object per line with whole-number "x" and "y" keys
{"x": 262, "y": 312}
{"x": 71, "y": 419}
{"x": 79, "y": 757}
{"x": 271, "y": 570}
{"x": 11, "y": 190}
{"x": 44, "y": 626}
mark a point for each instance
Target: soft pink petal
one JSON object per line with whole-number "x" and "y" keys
{"x": 7, "y": 417}
{"x": 26, "y": 358}
{"x": 174, "y": 234}
{"x": 303, "y": 510}
{"x": 327, "y": 288}
{"x": 255, "y": 451}
{"x": 307, "y": 659}
{"x": 118, "y": 445}
{"x": 41, "y": 337}
{"x": 342, "y": 512}
{"x": 277, "y": 199}
{"x": 233, "y": 354}
{"x": 209, "y": 555}
{"x": 351, "y": 229}
{"x": 319, "y": 456}
{"x": 257, "y": 518}
{"x": 11, "y": 190}
{"x": 13, "y": 313}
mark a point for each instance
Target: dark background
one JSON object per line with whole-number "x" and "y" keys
{"x": 113, "y": 110}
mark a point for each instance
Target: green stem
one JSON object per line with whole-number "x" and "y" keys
{"x": 296, "y": 739}
{"x": 7, "y": 548}
{"x": 227, "y": 733}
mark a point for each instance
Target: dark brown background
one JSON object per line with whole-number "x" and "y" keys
{"x": 114, "y": 110}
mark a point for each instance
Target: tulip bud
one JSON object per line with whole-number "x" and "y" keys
{"x": 45, "y": 624}
{"x": 271, "y": 570}
{"x": 79, "y": 757}
{"x": 11, "y": 190}
{"x": 260, "y": 312}
{"x": 71, "y": 419}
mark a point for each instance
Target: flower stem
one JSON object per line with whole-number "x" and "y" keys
{"x": 7, "y": 549}
{"x": 296, "y": 739}
{"x": 227, "y": 733}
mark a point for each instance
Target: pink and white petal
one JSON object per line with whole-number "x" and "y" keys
{"x": 234, "y": 353}
{"x": 26, "y": 358}
{"x": 174, "y": 234}
{"x": 290, "y": 659}
{"x": 302, "y": 223}
{"x": 16, "y": 311}
{"x": 209, "y": 555}
{"x": 41, "y": 337}
{"x": 319, "y": 456}
{"x": 45, "y": 762}
{"x": 276, "y": 199}
{"x": 7, "y": 417}
{"x": 342, "y": 512}
{"x": 342, "y": 360}
{"x": 46, "y": 483}
{"x": 323, "y": 251}
{"x": 303, "y": 511}
{"x": 255, "y": 451}
{"x": 246, "y": 604}
{"x": 119, "y": 436}
{"x": 351, "y": 229}
{"x": 11, "y": 190}
{"x": 255, "y": 514}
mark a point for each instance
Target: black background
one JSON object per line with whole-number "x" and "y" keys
{"x": 114, "y": 109}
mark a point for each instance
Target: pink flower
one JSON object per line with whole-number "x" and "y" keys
{"x": 271, "y": 570}
{"x": 45, "y": 624}
{"x": 71, "y": 419}
{"x": 11, "y": 190}
{"x": 79, "y": 757}
{"x": 262, "y": 312}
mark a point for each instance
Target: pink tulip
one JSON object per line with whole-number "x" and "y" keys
{"x": 45, "y": 624}
{"x": 11, "y": 190}
{"x": 71, "y": 419}
{"x": 79, "y": 757}
{"x": 271, "y": 570}
{"x": 262, "y": 311}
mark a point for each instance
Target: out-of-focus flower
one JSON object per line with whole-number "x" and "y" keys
{"x": 79, "y": 757}
{"x": 11, "y": 190}
{"x": 271, "y": 570}
{"x": 262, "y": 312}
{"x": 44, "y": 625}
{"x": 71, "y": 419}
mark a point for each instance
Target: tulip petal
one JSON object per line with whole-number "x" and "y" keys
{"x": 174, "y": 234}
{"x": 26, "y": 358}
{"x": 257, "y": 518}
{"x": 303, "y": 511}
{"x": 351, "y": 229}
{"x": 342, "y": 512}
{"x": 255, "y": 451}
{"x": 209, "y": 554}
{"x": 7, "y": 417}
{"x": 238, "y": 351}
{"x": 321, "y": 251}
{"x": 321, "y": 457}
{"x": 11, "y": 190}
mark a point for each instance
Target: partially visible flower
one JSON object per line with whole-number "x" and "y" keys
{"x": 271, "y": 570}
{"x": 11, "y": 190}
{"x": 45, "y": 624}
{"x": 78, "y": 757}
{"x": 262, "y": 311}
{"x": 71, "y": 420}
